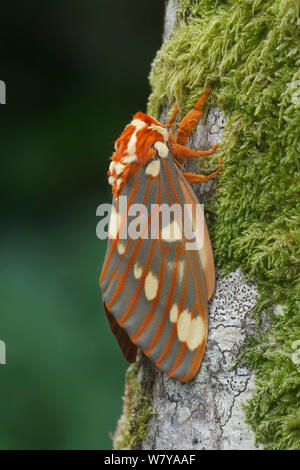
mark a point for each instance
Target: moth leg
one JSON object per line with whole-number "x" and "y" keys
{"x": 180, "y": 152}
{"x": 215, "y": 173}
{"x": 190, "y": 121}
{"x": 173, "y": 117}
{"x": 171, "y": 123}
{"x": 194, "y": 178}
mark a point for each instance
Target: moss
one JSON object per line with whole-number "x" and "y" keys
{"x": 274, "y": 412}
{"x": 248, "y": 52}
{"x": 137, "y": 412}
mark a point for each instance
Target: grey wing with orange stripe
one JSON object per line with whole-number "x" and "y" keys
{"x": 152, "y": 285}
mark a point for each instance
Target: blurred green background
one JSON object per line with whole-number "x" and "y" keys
{"x": 75, "y": 72}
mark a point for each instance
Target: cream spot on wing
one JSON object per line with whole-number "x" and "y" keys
{"x": 181, "y": 270}
{"x": 196, "y": 334}
{"x": 183, "y": 325}
{"x": 172, "y": 232}
{"x": 174, "y": 313}
{"x": 121, "y": 248}
{"x": 171, "y": 266}
{"x": 162, "y": 149}
{"x": 112, "y": 166}
{"x": 137, "y": 271}
{"x": 162, "y": 130}
{"x": 196, "y": 224}
{"x": 202, "y": 254}
{"x": 153, "y": 168}
{"x": 151, "y": 286}
{"x": 113, "y": 224}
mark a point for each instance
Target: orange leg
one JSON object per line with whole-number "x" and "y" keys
{"x": 180, "y": 152}
{"x": 190, "y": 121}
{"x": 194, "y": 178}
{"x": 173, "y": 117}
{"x": 177, "y": 146}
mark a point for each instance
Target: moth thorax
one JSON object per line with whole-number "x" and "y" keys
{"x": 136, "y": 145}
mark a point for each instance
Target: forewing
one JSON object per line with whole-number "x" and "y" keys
{"x": 154, "y": 287}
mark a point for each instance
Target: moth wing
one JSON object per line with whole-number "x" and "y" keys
{"x": 199, "y": 224}
{"x": 153, "y": 287}
{"x": 126, "y": 345}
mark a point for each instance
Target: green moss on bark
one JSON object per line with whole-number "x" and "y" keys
{"x": 136, "y": 414}
{"x": 248, "y": 52}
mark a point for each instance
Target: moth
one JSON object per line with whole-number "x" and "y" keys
{"x": 155, "y": 291}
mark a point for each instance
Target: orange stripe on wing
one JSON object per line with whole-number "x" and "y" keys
{"x": 135, "y": 298}
{"x": 173, "y": 333}
{"x": 200, "y": 287}
{"x": 170, "y": 179}
{"x": 181, "y": 353}
{"x": 123, "y": 276}
{"x": 195, "y": 363}
{"x": 173, "y": 285}
{"x": 165, "y": 315}
{"x": 199, "y": 354}
{"x": 115, "y": 241}
{"x": 194, "y": 263}
{"x": 149, "y": 316}
{"x": 135, "y": 251}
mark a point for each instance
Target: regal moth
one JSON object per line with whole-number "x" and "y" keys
{"x": 155, "y": 291}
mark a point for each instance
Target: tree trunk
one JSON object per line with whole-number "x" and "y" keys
{"x": 206, "y": 413}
